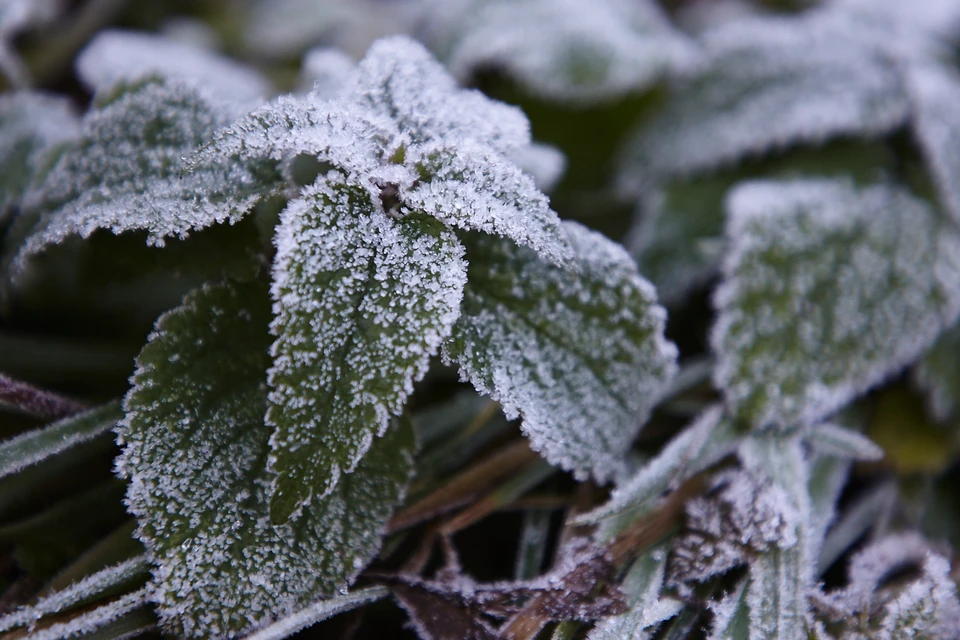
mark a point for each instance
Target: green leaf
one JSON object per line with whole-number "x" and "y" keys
{"x": 766, "y": 83}
{"x": 34, "y": 128}
{"x": 126, "y": 171}
{"x": 196, "y": 450}
{"x": 317, "y": 612}
{"x": 578, "y": 352}
{"x": 33, "y": 446}
{"x": 362, "y": 301}
{"x": 829, "y": 290}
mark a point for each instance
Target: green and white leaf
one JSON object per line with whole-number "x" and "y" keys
{"x": 766, "y": 83}
{"x": 125, "y": 172}
{"x": 402, "y": 124}
{"x": 319, "y": 611}
{"x": 117, "y": 56}
{"x": 781, "y": 577}
{"x": 711, "y": 437}
{"x": 362, "y": 300}
{"x": 835, "y": 440}
{"x": 81, "y": 591}
{"x": 579, "y": 354}
{"x": 829, "y": 289}
{"x": 561, "y": 50}
{"x": 196, "y": 450}
{"x": 95, "y": 618}
{"x": 731, "y": 617}
{"x": 32, "y": 447}
{"x": 642, "y": 586}
{"x": 34, "y": 128}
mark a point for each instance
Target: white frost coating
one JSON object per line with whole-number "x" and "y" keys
{"x": 16, "y": 16}
{"x": 642, "y": 586}
{"x": 543, "y": 162}
{"x": 79, "y": 591}
{"x": 835, "y": 440}
{"x": 828, "y": 476}
{"x": 743, "y": 514}
{"x": 707, "y": 440}
{"x": 195, "y": 454}
{"x": 940, "y": 18}
{"x": 935, "y": 92}
{"x": 565, "y": 50}
{"x": 115, "y": 56}
{"x": 316, "y": 612}
{"x": 580, "y": 355}
{"x": 829, "y": 289}
{"x": 125, "y": 172}
{"x": 927, "y": 607}
{"x": 401, "y": 122}
{"x": 362, "y": 301}
{"x": 93, "y": 620}
{"x": 782, "y": 577}
{"x": 31, "y": 447}
{"x": 33, "y": 126}
{"x": 325, "y": 71}
{"x": 766, "y": 83}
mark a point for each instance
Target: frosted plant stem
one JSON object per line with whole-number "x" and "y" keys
{"x": 317, "y": 612}
{"x": 38, "y": 402}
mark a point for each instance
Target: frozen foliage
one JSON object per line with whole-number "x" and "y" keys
{"x": 803, "y": 79}
{"x": 781, "y": 578}
{"x": 878, "y": 604}
{"x": 116, "y": 56}
{"x": 834, "y": 440}
{"x": 362, "y": 300}
{"x": 95, "y": 618}
{"x": 316, "y": 612}
{"x": 710, "y": 438}
{"x": 938, "y": 375}
{"x": 935, "y": 91}
{"x": 939, "y": 18}
{"x": 405, "y": 132}
{"x": 196, "y": 450}
{"x": 731, "y": 619}
{"x": 560, "y": 49}
{"x": 579, "y": 354}
{"x": 88, "y": 587}
{"x": 741, "y": 516}
{"x": 125, "y": 171}
{"x": 544, "y": 163}
{"x": 34, "y": 128}
{"x": 828, "y": 475}
{"x": 642, "y": 586}
{"x": 34, "y": 446}
{"x": 829, "y": 289}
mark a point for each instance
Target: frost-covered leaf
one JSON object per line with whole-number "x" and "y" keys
{"x": 938, "y": 375}
{"x": 542, "y": 162}
{"x": 927, "y": 608}
{"x": 361, "y": 302}
{"x": 642, "y": 586}
{"x": 559, "y": 49}
{"x": 34, "y": 128}
{"x": 829, "y": 289}
{"x": 828, "y": 475}
{"x": 766, "y": 83}
{"x": 731, "y": 618}
{"x": 316, "y": 612}
{"x": 404, "y": 131}
{"x": 711, "y": 437}
{"x": 579, "y": 354}
{"x": 79, "y": 592}
{"x": 934, "y": 93}
{"x": 741, "y": 516}
{"x": 196, "y": 450}
{"x": 781, "y": 577}
{"x": 39, "y": 444}
{"x": 95, "y": 618}
{"x": 116, "y": 56}
{"x": 125, "y": 173}
{"x": 938, "y": 18}
{"x": 835, "y": 440}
